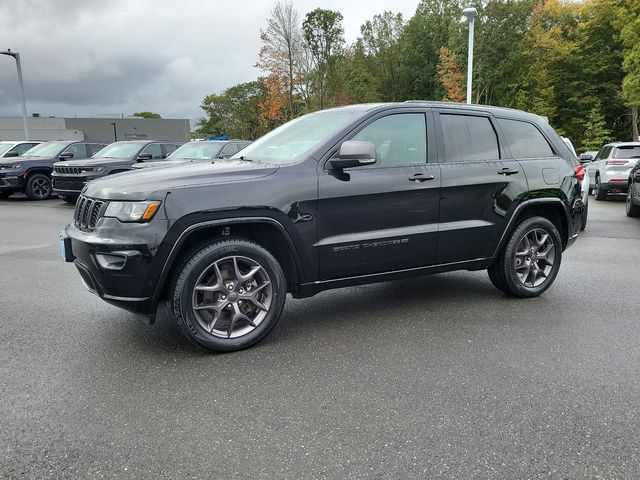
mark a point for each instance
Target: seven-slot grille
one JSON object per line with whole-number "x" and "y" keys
{"x": 68, "y": 170}
{"x": 88, "y": 212}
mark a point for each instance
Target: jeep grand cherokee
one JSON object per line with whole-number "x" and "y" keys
{"x": 340, "y": 197}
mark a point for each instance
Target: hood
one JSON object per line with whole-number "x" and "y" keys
{"x": 94, "y": 162}
{"x": 137, "y": 185}
{"x": 12, "y": 160}
{"x": 164, "y": 163}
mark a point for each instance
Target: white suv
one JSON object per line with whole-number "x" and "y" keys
{"x": 609, "y": 170}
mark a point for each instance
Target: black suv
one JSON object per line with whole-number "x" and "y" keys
{"x": 340, "y": 197}
{"x": 202, "y": 151}
{"x": 31, "y": 173}
{"x": 70, "y": 177}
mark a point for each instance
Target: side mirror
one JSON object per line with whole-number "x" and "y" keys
{"x": 11, "y": 154}
{"x": 144, "y": 156}
{"x": 65, "y": 156}
{"x": 355, "y": 154}
{"x": 585, "y": 158}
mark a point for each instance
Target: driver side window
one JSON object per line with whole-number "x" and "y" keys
{"x": 155, "y": 150}
{"x": 400, "y": 139}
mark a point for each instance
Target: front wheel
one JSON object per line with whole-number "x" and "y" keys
{"x": 631, "y": 209}
{"x": 585, "y": 215}
{"x": 38, "y": 187}
{"x": 227, "y": 295}
{"x": 529, "y": 262}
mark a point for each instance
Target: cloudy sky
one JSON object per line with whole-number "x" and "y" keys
{"x": 85, "y": 57}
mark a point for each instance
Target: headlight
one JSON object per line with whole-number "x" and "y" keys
{"x": 92, "y": 169}
{"x": 16, "y": 165}
{"x": 132, "y": 211}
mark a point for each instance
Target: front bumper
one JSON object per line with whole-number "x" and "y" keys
{"x": 70, "y": 185}
{"x": 11, "y": 181}
{"x": 120, "y": 270}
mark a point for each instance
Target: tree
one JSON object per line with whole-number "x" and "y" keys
{"x": 631, "y": 84}
{"x": 324, "y": 37}
{"x": 381, "y": 51}
{"x": 596, "y": 132}
{"x": 281, "y": 47}
{"x": 147, "y": 115}
{"x": 451, "y": 76}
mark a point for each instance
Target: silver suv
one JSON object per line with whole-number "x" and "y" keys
{"x": 609, "y": 170}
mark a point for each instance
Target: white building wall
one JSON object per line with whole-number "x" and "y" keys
{"x": 40, "y": 128}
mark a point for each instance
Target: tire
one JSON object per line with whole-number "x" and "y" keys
{"x": 542, "y": 236}
{"x": 585, "y": 214}
{"x": 599, "y": 193}
{"x": 38, "y": 187}
{"x": 227, "y": 320}
{"x": 71, "y": 200}
{"x": 632, "y": 210}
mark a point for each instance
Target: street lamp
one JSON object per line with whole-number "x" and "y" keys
{"x": 470, "y": 14}
{"x": 115, "y": 132}
{"x": 16, "y": 56}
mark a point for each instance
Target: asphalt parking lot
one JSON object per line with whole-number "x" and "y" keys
{"x": 436, "y": 377}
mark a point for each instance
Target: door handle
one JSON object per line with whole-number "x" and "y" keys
{"x": 508, "y": 171}
{"x": 421, "y": 177}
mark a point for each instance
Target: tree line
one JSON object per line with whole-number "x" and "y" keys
{"x": 577, "y": 63}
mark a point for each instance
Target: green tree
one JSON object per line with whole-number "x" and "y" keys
{"x": 631, "y": 84}
{"x": 147, "y": 115}
{"x": 596, "y": 132}
{"x": 324, "y": 37}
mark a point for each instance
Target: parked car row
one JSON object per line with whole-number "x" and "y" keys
{"x": 40, "y": 169}
{"x": 614, "y": 170}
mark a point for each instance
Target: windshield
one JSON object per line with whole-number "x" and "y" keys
{"x": 118, "y": 150}
{"x": 632, "y": 151}
{"x": 46, "y": 150}
{"x": 5, "y": 147}
{"x": 289, "y": 142}
{"x": 197, "y": 151}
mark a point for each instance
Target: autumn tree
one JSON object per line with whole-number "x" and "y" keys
{"x": 324, "y": 37}
{"x": 281, "y": 47}
{"x": 451, "y": 76}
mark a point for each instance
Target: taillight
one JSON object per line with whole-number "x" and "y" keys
{"x": 616, "y": 162}
{"x": 579, "y": 171}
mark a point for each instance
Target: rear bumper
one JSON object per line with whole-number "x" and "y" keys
{"x": 619, "y": 186}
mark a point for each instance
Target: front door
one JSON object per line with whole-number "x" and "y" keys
{"x": 479, "y": 183}
{"x": 384, "y": 216}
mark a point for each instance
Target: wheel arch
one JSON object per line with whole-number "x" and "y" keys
{"x": 265, "y": 231}
{"x": 553, "y": 209}
{"x": 32, "y": 171}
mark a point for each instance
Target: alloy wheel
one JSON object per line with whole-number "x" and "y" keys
{"x": 232, "y": 297}
{"x": 627, "y": 203}
{"x": 534, "y": 257}
{"x": 41, "y": 187}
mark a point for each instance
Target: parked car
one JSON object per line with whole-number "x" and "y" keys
{"x": 10, "y": 149}
{"x": 205, "y": 150}
{"x": 69, "y": 178}
{"x": 31, "y": 173}
{"x": 609, "y": 170}
{"x": 340, "y": 197}
{"x": 633, "y": 192}
{"x": 568, "y": 143}
{"x": 585, "y": 160}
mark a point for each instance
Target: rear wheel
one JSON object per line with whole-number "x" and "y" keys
{"x": 38, "y": 187}
{"x": 599, "y": 193}
{"x": 228, "y": 295}
{"x": 632, "y": 209}
{"x": 529, "y": 262}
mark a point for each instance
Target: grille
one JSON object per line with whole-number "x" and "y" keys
{"x": 68, "y": 170}
{"x": 88, "y": 212}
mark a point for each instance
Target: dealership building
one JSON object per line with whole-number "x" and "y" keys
{"x": 103, "y": 127}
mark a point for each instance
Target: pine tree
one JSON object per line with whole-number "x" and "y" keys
{"x": 596, "y": 132}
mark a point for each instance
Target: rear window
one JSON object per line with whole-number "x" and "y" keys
{"x": 525, "y": 140}
{"x": 632, "y": 151}
{"x": 469, "y": 138}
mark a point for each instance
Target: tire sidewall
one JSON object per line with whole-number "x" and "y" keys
{"x": 189, "y": 274}
{"x": 508, "y": 262}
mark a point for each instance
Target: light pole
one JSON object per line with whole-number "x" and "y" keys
{"x": 115, "y": 132}
{"x": 470, "y": 14}
{"x": 16, "y": 56}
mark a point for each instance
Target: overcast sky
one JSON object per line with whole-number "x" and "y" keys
{"x": 85, "y": 57}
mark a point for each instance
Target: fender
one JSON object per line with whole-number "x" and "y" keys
{"x": 518, "y": 209}
{"x": 211, "y": 223}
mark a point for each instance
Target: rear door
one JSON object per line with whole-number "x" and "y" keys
{"x": 384, "y": 216}
{"x": 479, "y": 183}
